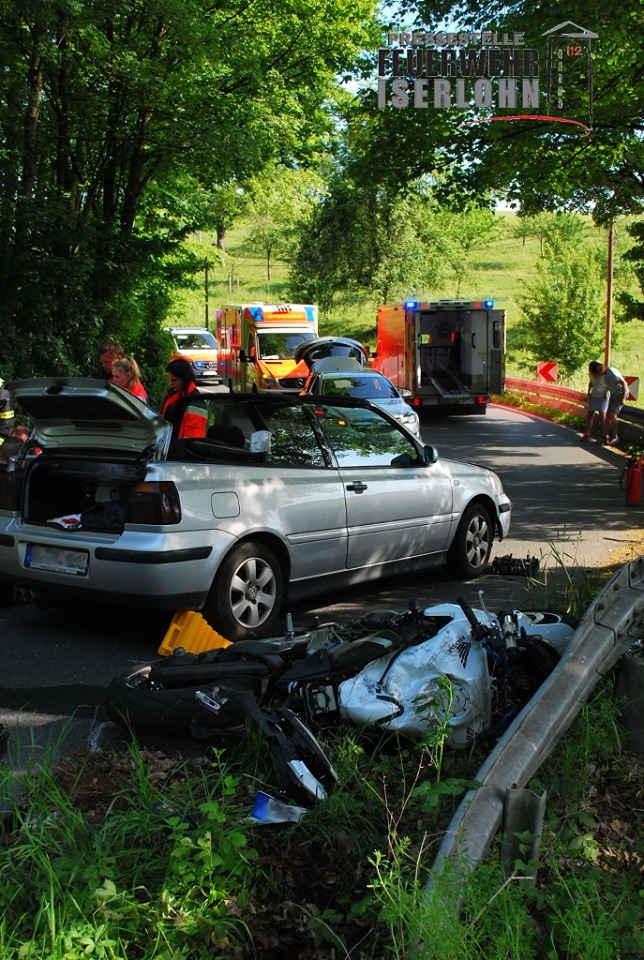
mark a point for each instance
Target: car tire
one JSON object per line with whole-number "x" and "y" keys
{"x": 470, "y": 551}
{"x": 139, "y": 701}
{"x": 246, "y": 597}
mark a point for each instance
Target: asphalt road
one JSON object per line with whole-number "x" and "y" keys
{"x": 568, "y": 507}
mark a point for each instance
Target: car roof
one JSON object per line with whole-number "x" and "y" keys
{"x": 188, "y": 330}
{"x": 357, "y": 372}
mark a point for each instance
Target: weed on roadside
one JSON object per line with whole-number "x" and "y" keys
{"x": 136, "y": 875}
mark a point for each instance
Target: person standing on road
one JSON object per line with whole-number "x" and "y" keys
{"x": 7, "y": 412}
{"x": 617, "y": 394}
{"x": 183, "y": 406}
{"x": 597, "y": 400}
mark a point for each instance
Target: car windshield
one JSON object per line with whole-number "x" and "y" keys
{"x": 366, "y": 388}
{"x": 195, "y": 341}
{"x": 280, "y": 346}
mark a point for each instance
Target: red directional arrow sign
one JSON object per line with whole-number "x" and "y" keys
{"x": 633, "y": 387}
{"x": 547, "y": 372}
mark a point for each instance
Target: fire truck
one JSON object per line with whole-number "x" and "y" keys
{"x": 449, "y": 353}
{"x": 257, "y": 344}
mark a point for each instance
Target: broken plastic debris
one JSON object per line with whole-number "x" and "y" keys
{"x": 269, "y": 810}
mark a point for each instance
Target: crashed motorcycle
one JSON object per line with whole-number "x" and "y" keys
{"x": 449, "y": 665}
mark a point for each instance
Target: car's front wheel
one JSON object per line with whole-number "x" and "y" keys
{"x": 246, "y": 597}
{"x": 470, "y": 550}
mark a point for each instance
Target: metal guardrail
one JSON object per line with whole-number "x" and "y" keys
{"x": 631, "y": 419}
{"x": 610, "y": 626}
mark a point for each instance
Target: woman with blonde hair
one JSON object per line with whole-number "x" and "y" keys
{"x": 126, "y": 374}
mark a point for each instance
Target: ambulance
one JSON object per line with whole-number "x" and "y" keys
{"x": 258, "y": 342}
{"x": 450, "y": 354}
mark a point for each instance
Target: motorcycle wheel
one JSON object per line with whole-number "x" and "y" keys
{"x": 135, "y": 702}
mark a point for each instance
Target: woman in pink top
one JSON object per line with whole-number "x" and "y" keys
{"x": 126, "y": 374}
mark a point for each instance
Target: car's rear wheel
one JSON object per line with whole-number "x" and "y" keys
{"x": 246, "y": 597}
{"x": 470, "y": 551}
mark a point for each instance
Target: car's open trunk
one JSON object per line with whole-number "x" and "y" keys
{"x": 56, "y": 487}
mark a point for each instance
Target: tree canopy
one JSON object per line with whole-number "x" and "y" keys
{"x": 469, "y": 155}
{"x": 539, "y": 165}
{"x": 114, "y": 115}
{"x": 128, "y": 125}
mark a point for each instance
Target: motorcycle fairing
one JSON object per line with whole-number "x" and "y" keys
{"x": 444, "y": 679}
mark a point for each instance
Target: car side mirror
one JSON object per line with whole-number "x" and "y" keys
{"x": 430, "y": 454}
{"x": 404, "y": 393}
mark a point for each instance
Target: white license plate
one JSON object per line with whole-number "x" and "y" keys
{"x": 57, "y": 559}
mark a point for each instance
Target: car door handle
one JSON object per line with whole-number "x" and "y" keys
{"x": 357, "y": 487}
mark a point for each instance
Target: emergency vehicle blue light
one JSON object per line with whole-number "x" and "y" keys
{"x": 488, "y": 304}
{"x": 256, "y": 313}
{"x": 410, "y": 304}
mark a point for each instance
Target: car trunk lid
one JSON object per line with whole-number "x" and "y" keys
{"x": 94, "y": 416}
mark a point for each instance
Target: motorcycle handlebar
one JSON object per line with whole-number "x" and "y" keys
{"x": 479, "y": 630}
{"x": 467, "y": 610}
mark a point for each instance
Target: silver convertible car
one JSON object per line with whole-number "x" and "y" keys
{"x": 285, "y": 497}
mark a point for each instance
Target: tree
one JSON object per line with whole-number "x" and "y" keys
{"x": 562, "y": 226}
{"x": 364, "y": 241}
{"x": 112, "y": 112}
{"x": 564, "y": 308}
{"x": 534, "y": 164}
{"x": 458, "y": 234}
{"x": 223, "y": 204}
{"x": 278, "y": 203}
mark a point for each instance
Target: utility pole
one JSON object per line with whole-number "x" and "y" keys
{"x": 205, "y": 268}
{"x": 609, "y": 294}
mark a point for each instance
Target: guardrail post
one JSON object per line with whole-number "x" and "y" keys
{"x": 524, "y": 812}
{"x": 630, "y": 689}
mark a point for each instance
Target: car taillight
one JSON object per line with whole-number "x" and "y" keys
{"x": 156, "y": 502}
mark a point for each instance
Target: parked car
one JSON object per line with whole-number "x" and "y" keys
{"x": 285, "y": 497}
{"x": 199, "y": 347}
{"x": 343, "y": 376}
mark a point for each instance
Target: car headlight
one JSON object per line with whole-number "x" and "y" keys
{"x": 409, "y": 419}
{"x": 271, "y": 383}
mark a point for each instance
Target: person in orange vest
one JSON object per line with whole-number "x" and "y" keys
{"x": 184, "y": 407}
{"x": 7, "y": 413}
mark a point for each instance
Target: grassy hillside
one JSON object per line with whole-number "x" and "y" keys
{"x": 497, "y": 272}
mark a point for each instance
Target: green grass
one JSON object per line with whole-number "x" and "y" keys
{"x": 140, "y": 856}
{"x": 497, "y": 272}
